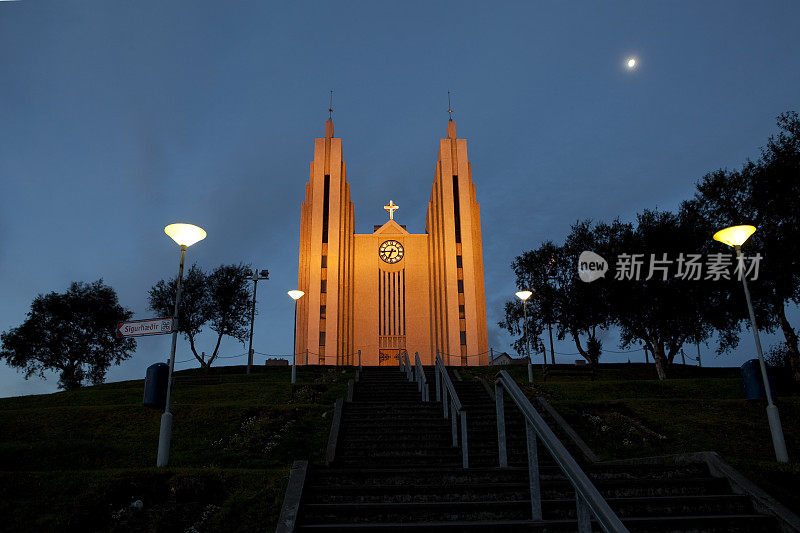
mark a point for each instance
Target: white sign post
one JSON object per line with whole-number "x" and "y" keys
{"x": 141, "y": 328}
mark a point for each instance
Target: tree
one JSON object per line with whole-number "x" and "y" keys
{"x": 531, "y": 269}
{"x": 579, "y": 310}
{"x": 73, "y": 333}
{"x": 766, "y": 194}
{"x": 667, "y": 306}
{"x": 583, "y": 310}
{"x": 515, "y": 325}
{"x": 220, "y": 299}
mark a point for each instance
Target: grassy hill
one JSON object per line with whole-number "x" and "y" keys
{"x": 77, "y": 460}
{"x": 74, "y": 460}
{"x": 626, "y": 413}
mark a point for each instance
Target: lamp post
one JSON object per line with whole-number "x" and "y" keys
{"x": 736, "y": 236}
{"x": 524, "y": 295}
{"x": 184, "y": 235}
{"x": 550, "y": 274}
{"x": 295, "y": 295}
{"x": 255, "y": 275}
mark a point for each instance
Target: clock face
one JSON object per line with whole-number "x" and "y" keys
{"x": 391, "y": 251}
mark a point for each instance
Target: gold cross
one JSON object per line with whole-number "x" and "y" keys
{"x": 391, "y": 208}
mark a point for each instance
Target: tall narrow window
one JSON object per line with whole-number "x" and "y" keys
{"x": 324, "y": 261}
{"x": 322, "y": 338}
{"x": 322, "y": 311}
{"x": 459, "y": 262}
{"x": 326, "y": 199}
{"x": 460, "y": 285}
{"x": 456, "y": 209}
{"x": 323, "y": 286}
{"x": 461, "y": 311}
{"x": 463, "y": 338}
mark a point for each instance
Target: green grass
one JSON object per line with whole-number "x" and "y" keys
{"x": 72, "y": 460}
{"x": 76, "y": 460}
{"x": 627, "y": 413}
{"x": 174, "y": 499}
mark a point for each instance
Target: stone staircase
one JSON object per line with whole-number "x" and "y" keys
{"x": 395, "y": 467}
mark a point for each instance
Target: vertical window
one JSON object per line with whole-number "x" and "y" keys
{"x": 459, "y": 262}
{"x": 456, "y": 209}
{"x": 323, "y": 286}
{"x": 460, "y": 286}
{"x": 324, "y": 261}
{"x": 461, "y": 311}
{"x": 326, "y": 200}
{"x": 322, "y": 311}
{"x": 463, "y": 338}
{"x": 322, "y": 338}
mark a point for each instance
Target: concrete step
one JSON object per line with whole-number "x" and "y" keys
{"x": 709, "y": 524}
{"x": 519, "y": 490}
{"x": 598, "y": 474}
{"x": 553, "y": 509}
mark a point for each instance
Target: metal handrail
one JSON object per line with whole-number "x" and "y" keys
{"x": 451, "y": 405}
{"x": 420, "y": 378}
{"x": 588, "y": 498}
{"x": 405, "y": 365}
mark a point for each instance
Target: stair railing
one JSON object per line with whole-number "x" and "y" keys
{"x": 589, "y": 501}
{"x": 420, "y": 378}
{"x": 406, "y": 366}
{"x": 452, "y": 408}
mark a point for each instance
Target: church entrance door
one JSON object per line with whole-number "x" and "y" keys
{"x": 389, "y": 357}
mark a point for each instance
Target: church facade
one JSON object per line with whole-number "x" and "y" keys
{"x": 390, "y": 291}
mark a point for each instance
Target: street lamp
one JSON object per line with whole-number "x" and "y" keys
{"x": 255, "y": 275}
{"x": 295, "y": 295}
{"x": 524, "y": 295}
{"x": 184, "y": 235}
{"x": 549, "y": 274}
{"x": 736, "y": 236}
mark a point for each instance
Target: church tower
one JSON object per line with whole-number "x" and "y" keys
{"x": 453, "y": 223}
{"x": 324, "y": 327}
{"x": 390, "y": 291}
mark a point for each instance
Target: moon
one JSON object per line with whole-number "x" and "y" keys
{"x": 631, "y": 63}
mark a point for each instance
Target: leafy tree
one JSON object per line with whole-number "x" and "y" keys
{"x": 515, "y": 325}
{"x": 663, "y": 309}
{"x": 532, "y": 270}
{"x": 220, "y": 300}
{"x": 579, "y": 310}
{"x": 73, "y": 333}
{"x": 583, "y": 310}
{"x": 766, "y": 194}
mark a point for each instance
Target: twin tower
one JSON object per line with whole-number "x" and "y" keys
{"x": 390, "y": 291}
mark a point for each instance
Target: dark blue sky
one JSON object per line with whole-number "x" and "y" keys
{"x": 118, "y": 118}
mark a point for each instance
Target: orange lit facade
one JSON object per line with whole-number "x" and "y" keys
{"x": 390, "y": 290}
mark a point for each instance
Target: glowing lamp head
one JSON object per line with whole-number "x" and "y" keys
{"x": 295, "y": 295}
{"x": 734, "y": 235}
{"x": 185, "y": 234}
{"x": 524, "y": 295}
{"x": 631, "y": 62}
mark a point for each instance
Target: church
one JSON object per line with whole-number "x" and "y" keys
{"x": 390, "y": 291}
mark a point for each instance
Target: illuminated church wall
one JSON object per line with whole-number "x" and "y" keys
{"x": 390, "y": 290}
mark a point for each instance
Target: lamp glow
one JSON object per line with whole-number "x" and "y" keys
{"x": 185, "y": 234}
{"x": 734, "y": 235}
{"x": 524, "y": 295}
{"x": 295, "y": 295}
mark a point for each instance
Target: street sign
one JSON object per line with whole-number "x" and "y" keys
{"x": 139, "y": 328}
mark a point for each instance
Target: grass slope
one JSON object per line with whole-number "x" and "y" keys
{"x": 74, "y": 460}
{"x": 625, "y": 413}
